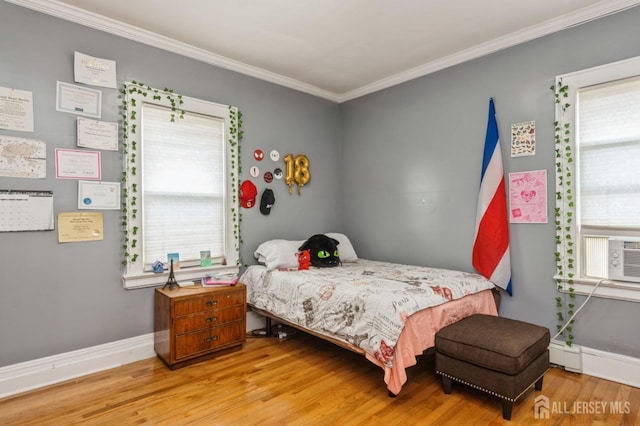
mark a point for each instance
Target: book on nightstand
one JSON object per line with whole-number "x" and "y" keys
{"x": 216, "y": 280}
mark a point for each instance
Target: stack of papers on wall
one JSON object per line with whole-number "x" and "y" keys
{"x": 220, "y": 279}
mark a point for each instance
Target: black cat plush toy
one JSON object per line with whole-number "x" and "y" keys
{"x": 324, "y": 251}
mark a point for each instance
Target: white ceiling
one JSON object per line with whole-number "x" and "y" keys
{"x": 335, "y": 49}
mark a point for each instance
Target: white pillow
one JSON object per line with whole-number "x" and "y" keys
{"x": 276, "y": 254}
{"x": 347, "y": 253}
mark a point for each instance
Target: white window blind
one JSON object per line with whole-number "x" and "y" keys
{"x": 180, "y": 195}
{"x": 183, "y": 185}
{"x": 608, "y": 119}
{"x": 598, "y": 179}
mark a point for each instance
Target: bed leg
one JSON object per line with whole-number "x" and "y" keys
{"x": 507, "y": 406}
{"x": 446, "y": 384}
{"x": 268, "y": 327}
{"x": 392, "y": 395}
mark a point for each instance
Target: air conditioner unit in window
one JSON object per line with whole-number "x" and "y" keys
{"x": 624, "y": 259}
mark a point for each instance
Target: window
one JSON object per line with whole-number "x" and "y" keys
{"x": 598, "y": 180}
{"x": 180, "y": 191}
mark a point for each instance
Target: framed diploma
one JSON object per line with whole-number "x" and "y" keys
{"x": 97, "y": 134}
{"x": 98, "y": 195}
{"x": 16, "y": 110}
{"x": 78, "y": 100}
{"x": 77, "y": 164}
{"x": 94, "y": 71}
{"x": 75, "y": 226}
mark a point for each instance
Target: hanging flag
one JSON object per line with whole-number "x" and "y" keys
{"x": 491, "y": 256}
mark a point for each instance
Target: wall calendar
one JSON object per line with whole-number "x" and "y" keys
{"x": 26, "y": 211}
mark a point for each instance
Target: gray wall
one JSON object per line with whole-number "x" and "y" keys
{"x": 396, "y": 170}
{"x": 55, "y": 297}
{"x": 412, "y": 156}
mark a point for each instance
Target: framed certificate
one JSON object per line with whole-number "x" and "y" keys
{"x": 78, "y": 100}
{"x": 95, "y": 71}
{"x": 80, "y": 226}
{"x": 77, "y": 164}
{"x": 98, "y": 195}
{"x": 97, "y": 134}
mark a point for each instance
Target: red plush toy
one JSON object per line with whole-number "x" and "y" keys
{"x": 304, "y": 259}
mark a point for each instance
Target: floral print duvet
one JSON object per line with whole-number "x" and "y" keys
{"x": 364, "y": 303}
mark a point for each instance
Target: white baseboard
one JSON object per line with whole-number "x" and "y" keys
{"x": 41, "y": 372}
{"x": 609, "y": 366}
{"x": 604, "y": 365}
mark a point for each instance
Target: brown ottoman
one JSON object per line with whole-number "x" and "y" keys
{"x": 501, "y": 356}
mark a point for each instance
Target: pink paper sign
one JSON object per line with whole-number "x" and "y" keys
{"x": 528, "y": 197}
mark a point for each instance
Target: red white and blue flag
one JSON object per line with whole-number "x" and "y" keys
{"x": 491, "y": 256}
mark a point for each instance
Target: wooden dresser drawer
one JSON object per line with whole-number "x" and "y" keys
{"x": 193, "y": 324}
{"x": 206, "y": 302}
{"x": 208, "y": 319}
{"x": 202, "y": 341}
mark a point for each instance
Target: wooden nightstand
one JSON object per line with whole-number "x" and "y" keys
{"x": 194, "y": 324}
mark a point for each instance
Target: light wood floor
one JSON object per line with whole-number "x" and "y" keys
{"x": 301, "y": 381}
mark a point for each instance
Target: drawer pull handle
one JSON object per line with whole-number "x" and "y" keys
{"x": 212, "y": 303}
{"x": 211, "y": 339}
{"x": 212, "y": 319}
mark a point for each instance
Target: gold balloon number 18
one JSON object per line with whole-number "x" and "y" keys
{"x": 297, "y": 171}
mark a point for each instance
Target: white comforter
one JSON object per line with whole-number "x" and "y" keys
{"x": 364, "y": 303}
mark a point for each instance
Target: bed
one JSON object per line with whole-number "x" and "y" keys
{"x": 387, "y": 312}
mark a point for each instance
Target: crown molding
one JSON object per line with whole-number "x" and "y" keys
{"x": 598, "y": 10}
{"x": 99, "y": 22}
{"x": 111, "y": 26}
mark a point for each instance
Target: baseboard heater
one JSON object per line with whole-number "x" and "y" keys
{"x": 568, "y": 357}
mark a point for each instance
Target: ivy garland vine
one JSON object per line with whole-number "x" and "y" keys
{"x": 129, "y": 146}
{"x": 235, "y": 136}
{"x": 564, "y": 224}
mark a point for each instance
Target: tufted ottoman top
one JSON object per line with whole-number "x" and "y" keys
{"x": 492, "y": 342}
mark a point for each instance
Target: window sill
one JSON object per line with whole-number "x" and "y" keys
{"x": 151, "y": 279}
{"x": 610, "y": 289}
